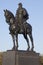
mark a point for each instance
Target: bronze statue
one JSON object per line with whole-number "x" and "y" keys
{"x": 18, "y": 25}
{"x": 21, "y": 14}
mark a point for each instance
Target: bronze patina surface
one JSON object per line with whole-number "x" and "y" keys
{"x": 18, "y": 25}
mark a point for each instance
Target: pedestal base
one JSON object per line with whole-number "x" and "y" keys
{"x": 20, "y": 58}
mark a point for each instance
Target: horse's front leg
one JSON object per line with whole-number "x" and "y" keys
{"x": 13, "y": 41}
{"x": 17, "y": 42}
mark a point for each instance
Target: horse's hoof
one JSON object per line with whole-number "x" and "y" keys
{"x": 32, "y": 49}
{"x": 13, "y": 48}
{"x": 28, "y": 49}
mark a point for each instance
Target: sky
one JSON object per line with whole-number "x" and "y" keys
{"x": 35, "y": 11}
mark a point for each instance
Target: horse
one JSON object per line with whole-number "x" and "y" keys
{"x": 14, "y": 29}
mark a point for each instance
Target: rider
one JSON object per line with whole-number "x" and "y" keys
{"x": 21, "y": 15}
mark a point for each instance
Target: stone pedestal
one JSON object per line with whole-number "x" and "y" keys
{"x": 20, "y": 58}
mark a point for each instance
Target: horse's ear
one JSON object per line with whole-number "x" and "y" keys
{"x": 4, "y": 10}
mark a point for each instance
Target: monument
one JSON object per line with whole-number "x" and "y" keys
{"x": 18, "y": 25}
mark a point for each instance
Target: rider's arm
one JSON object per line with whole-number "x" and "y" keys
{"x": 25, "y": 13}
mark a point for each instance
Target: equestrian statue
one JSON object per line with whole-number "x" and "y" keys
{"x": 18, "y": 25}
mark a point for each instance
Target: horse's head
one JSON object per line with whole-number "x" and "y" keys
{"x": 8, "y": 15}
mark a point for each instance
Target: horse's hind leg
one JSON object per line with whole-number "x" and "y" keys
{"x": 25, "y": 36}
{"x": 31, "y": 38}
